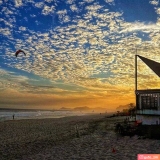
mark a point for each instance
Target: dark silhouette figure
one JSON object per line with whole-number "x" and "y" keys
{"x": 13, "y": 116}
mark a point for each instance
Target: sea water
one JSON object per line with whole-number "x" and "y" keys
{"x": 8, "y": 115}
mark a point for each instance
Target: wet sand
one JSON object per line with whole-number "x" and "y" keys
{"x": 70, "y": 138}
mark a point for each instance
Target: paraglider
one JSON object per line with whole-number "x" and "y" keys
{"x": 17, "y": 52}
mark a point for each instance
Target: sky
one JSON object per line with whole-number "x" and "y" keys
{"x": 78, "y": 52}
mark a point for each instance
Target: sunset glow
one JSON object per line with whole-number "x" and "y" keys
{"x": 78, "y": 52}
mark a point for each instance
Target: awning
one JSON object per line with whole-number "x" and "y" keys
{"x": 155, "y": 66}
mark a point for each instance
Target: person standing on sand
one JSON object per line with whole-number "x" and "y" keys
{"x": 13, "y": 116}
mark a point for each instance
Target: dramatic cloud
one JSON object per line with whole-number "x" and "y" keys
{"x": 88, "y": 44}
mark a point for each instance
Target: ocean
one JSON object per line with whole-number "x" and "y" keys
{"x": 8, "y": 115}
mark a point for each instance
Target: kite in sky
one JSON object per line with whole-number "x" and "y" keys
{"x": 17, "y": 52}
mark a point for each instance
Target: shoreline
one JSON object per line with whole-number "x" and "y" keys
{"x": 4, "y": 116}
{"x": 67, "y": 119}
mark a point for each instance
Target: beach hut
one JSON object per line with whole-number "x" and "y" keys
{"x": 148, "y": 101}
{"x": 148, "y": 106}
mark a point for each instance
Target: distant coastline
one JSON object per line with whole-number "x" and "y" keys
{"x": 85, "y": 109}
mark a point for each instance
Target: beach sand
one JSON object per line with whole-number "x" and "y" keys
{"x": 89, "y": 137}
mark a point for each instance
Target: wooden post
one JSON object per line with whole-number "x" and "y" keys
{"x": 77, "y": 131}
{"x": 136, "y": 71}
{"x": 136, "y": 81}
